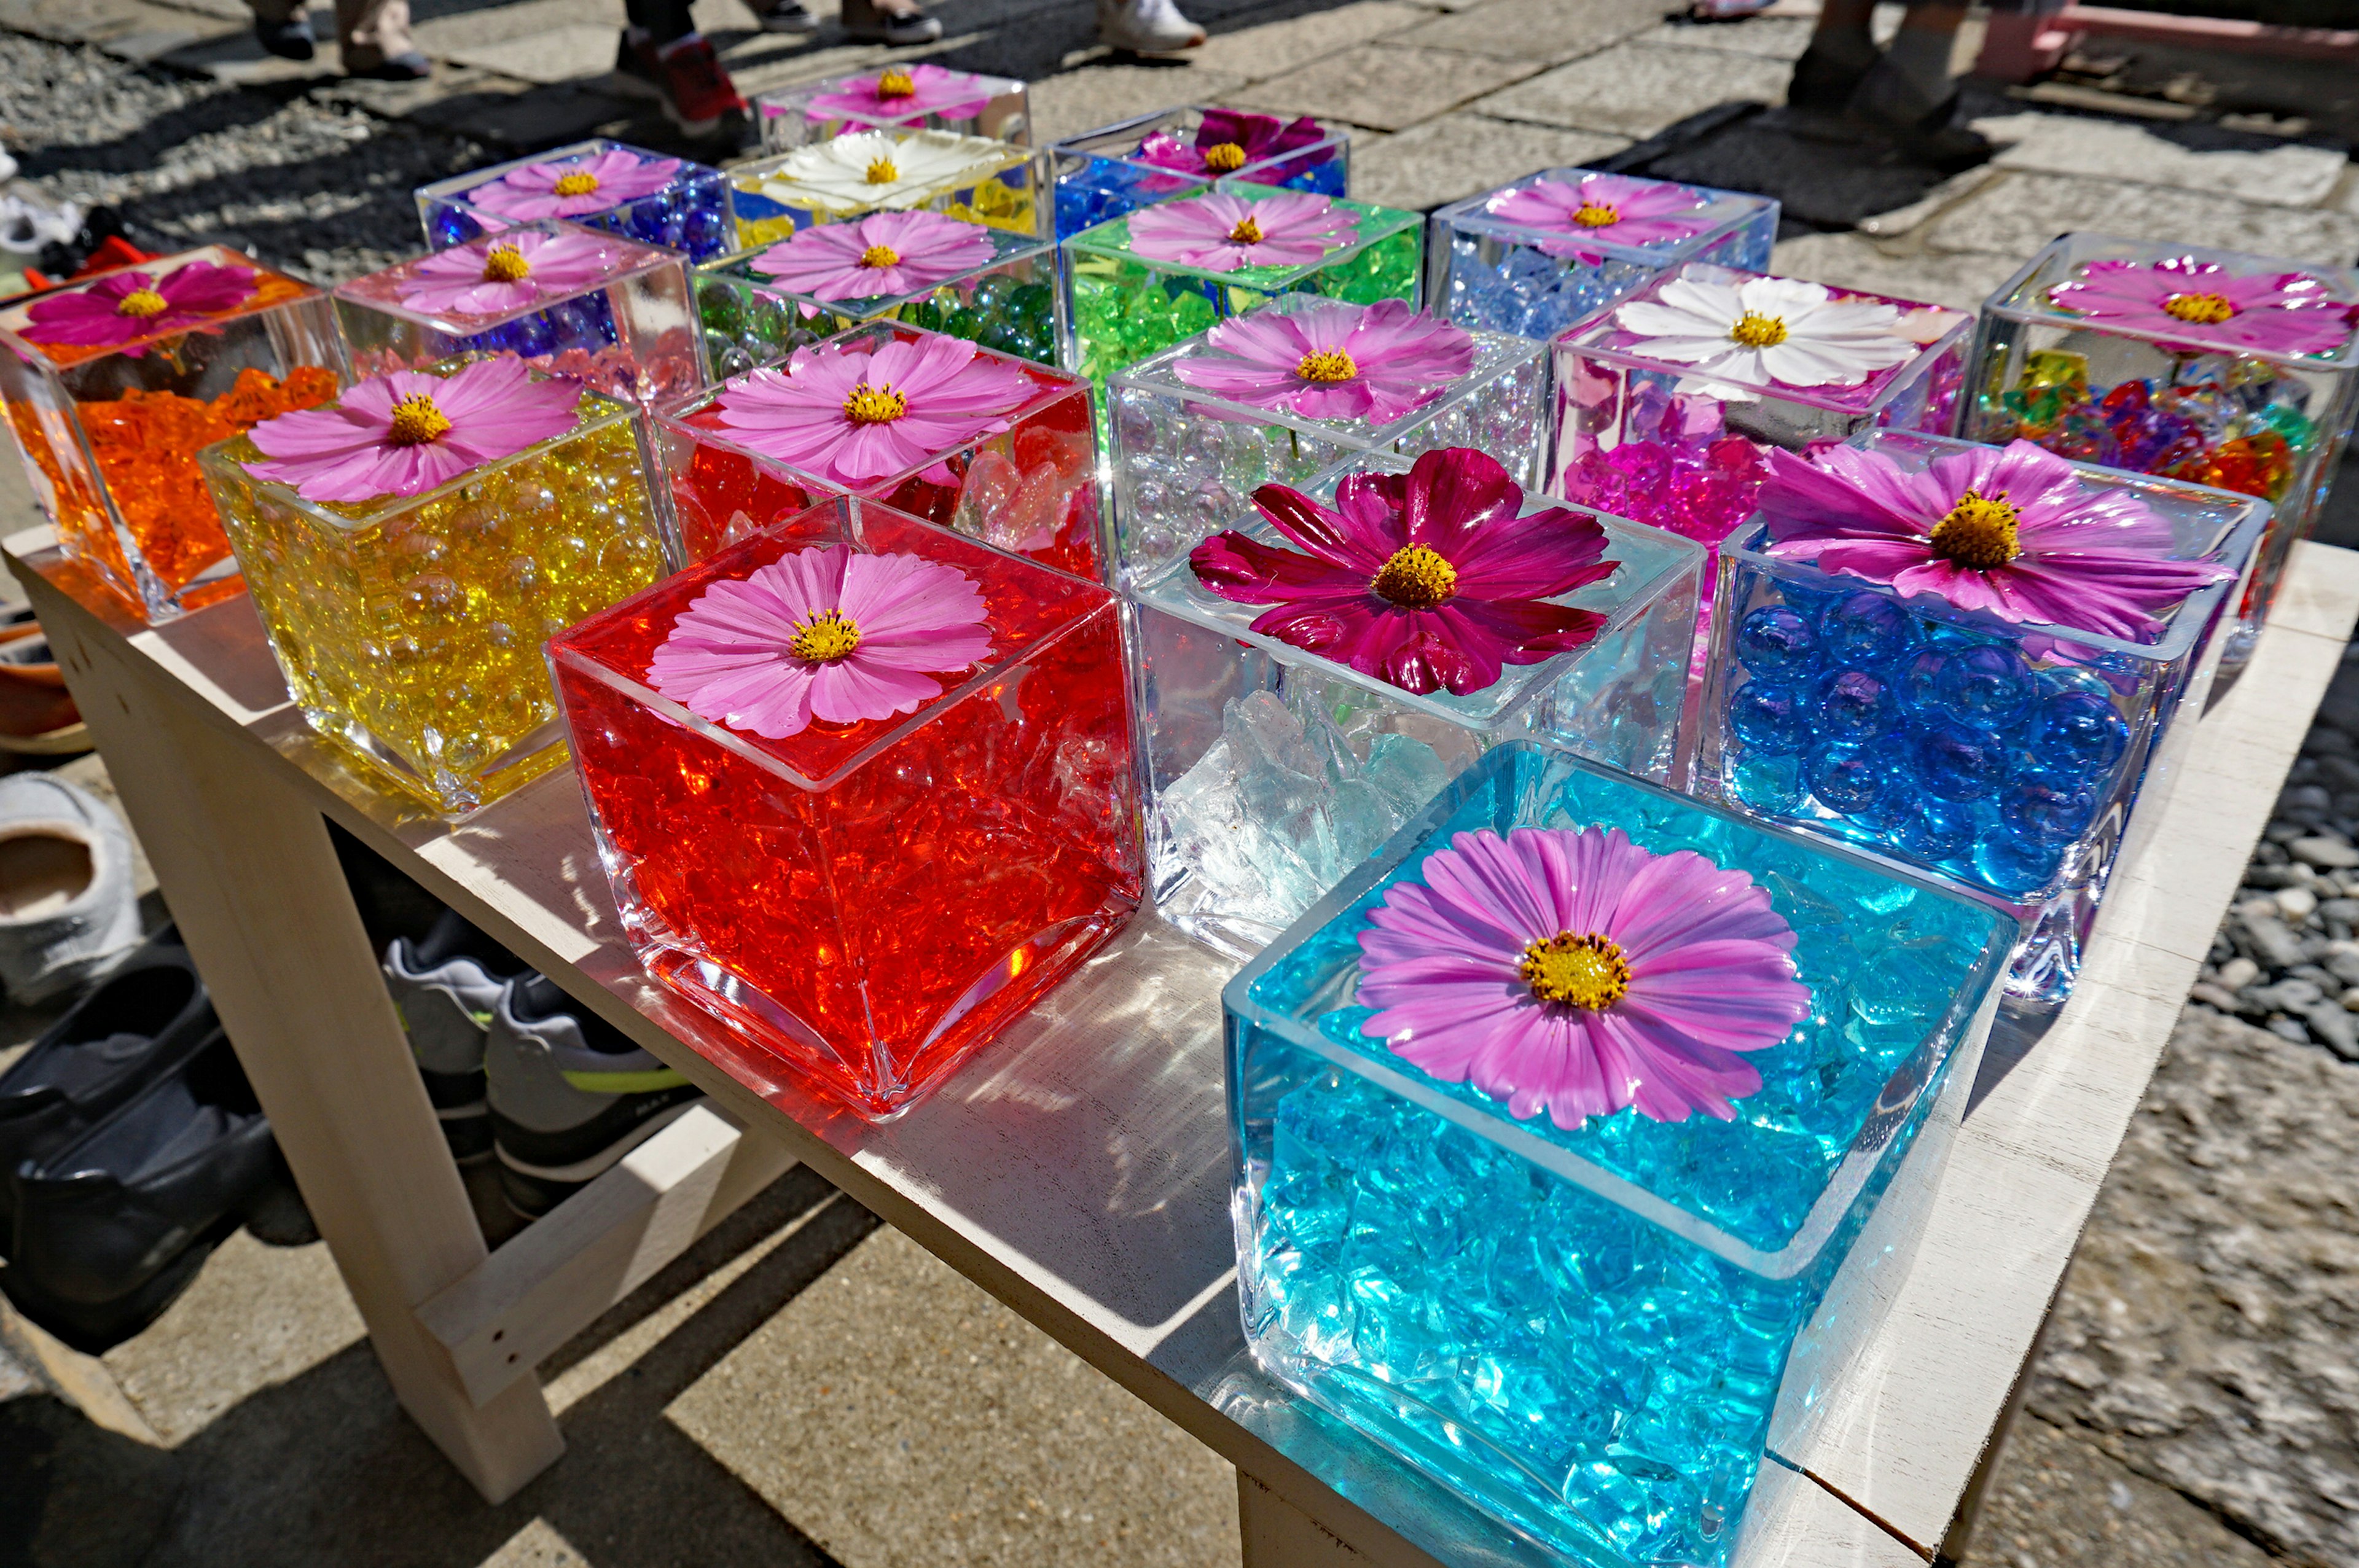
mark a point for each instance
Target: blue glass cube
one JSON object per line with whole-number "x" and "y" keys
{"x": 1535, "y": 256}
{"x": 687, "y": 212}
{"x": 1133, "y": 163}
{"x": 2008, "y": 756}
{"x": 1594, "y": 1336}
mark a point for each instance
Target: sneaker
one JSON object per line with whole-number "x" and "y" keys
{"x": 445, "y": 986}
{"x": 1821, "y": 83}
{"x": 889, "y": 22}
{"x": 684, "y": 75}
{"x": 786, "y": 16}
{"x": 1146, "y": 27}
{"x": 571, "y": 1095}
{"x": 290, "y": 39}
{"x": 67, "y": 911}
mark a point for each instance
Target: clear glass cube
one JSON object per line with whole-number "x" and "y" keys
{"x": 897, "y": 98}
{"x": 1008, "y": 303}
{"x": 1102, "y": 174}
{"x": 1120, "y": 307}
{"x": 866, "y": 903}
{"x": 1520, "y": 272}
{"x": 688, "y": 211}
{"x": 1594, "y": 1336}
{"x": 2007, "y": 756}
{"x": 409, "y": 627}
{"x": 1272, "y": 771}
{"x": 981, "y": 179}
{"x": 110, "y": 430}
{"x": 618, "y": 322}
{"x": 2188, "y": 400}
{"x": 1185, "y": 458}
{"x": 1029, "y": 488}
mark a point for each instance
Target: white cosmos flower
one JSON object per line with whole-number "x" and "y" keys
{"x": 1765, "y": 330}
{"x": 868, "y": 170}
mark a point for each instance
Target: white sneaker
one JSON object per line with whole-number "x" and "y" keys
{"x": 66, "y": 910}
{"x": 1146, "y": 27}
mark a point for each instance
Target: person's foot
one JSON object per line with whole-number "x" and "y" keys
{"x": 407, "y": 66}
{"x": 899, "y": 22}
{"x": 1889, "y": 103}
{"x": 444, "y": 987}
{"x": 784, "y": 17}
{"x": 1821, "y": 83}
{"x": 685, "y": 76}
{"x": 1146, "y": 27}
{"x": 68, "y": 912}
{"x": 290, "y": 39}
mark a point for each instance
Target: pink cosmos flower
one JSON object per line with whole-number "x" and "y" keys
{"x": 2010, "y": 530}
{"x": 125, "y": 306}
{"x": 2270, "y": 313}
{"x": 850, "y": 415}
{"x": 1608, "y": 207}
{"x": 821, "y": 633}
{"x": 1333, "y": 360}
{"x": 510, "y": 271}
{"x": 405, "y": 433}
{"x": 1228, "y": 140}
{"x": 899, "y": 92}
{"x": 1220, "y": 233}
{"x": 574, "y": 188}
{"x": 1575, "y": 973}
{"x": 1427, "y": 580}
{"x": 884, "y": 254}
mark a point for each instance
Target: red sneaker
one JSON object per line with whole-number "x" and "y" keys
{"x": 685, "y": 75}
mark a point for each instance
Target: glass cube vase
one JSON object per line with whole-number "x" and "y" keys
{"x": 688, "y": 212}
{"x": 110, "y": 432}
{"x": 1102, "y": 174}
{"x": 2007, "y": 756}
{"x": 981, "y": 179}
{"x": 1122, "y": 308}
{"x": 409, "y": 628}
{"x": 1029, "y": 488}
{"x": 1186, "y": 458}
{"x": 1595, "y": 1335}
{"x": 896, "y": 98}
{"x": 865, "y": 904}
{"x": 1273, "y": 771}
{"x": 1008, "y": 303}
{"x": 625, "y": 329}
{"x": 1510, "y": 272}
{"x": 2230, "y": 402}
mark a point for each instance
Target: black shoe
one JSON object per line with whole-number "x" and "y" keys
{"x": 287, "y": 40}
{"x": 111, "y": 1229}
{"x": 1888, "y": 104}
{"x": 786, "y": 16}
{"x": 1823, "y": 84}
{"x": 407, "y": 66}
{"x": 141, "y": 1023}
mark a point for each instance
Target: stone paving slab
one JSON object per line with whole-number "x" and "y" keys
{"x": 1635, "y": 90}
{"x": 1386, "y": 86}
{"x": 1273, "y": 48}
{"x": 1548, "y": 31}
{"x": 578, "y": 51}
{"x": 1461, "y": 154}
{"x": 2016, "y": 215}
{"x": 1766, "y": 38}
{"x": 1103, "y": 92}
{"x": 2261, "y": 169}
{"x": 1962, "y": 280}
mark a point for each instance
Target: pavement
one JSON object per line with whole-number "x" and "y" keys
{"x": 807, "y": 1387}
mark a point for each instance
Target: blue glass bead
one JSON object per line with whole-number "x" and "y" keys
{"x": 1989, "y": 688}
{"x": 2080, "y": 730}
{"x": 1865, "y": 629}
{"x": 1769, "y": 784}
{"x": 1917, "y": 683}
{"x": 1848, "y": 779}
{"x": 705, "y": 231}
{"x": 2060, "y": 678}
{"x": 1933, "y": 831}
{"x": 2050, "y": 805}
{"x": 1955, "y": 763}
{"x": 2016, "y": 865}
{"x": 452, "y": 226}
{"x": 1773, "y": 718}
{"x": 1856, "y": 705}
{"x": 1774, "y": 642}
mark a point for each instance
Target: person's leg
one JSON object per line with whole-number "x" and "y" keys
{"x": 374, "y": 37}
{"x": 1841, "y": 51}
{"x": 282, "y": 29}
{"x": 889, "y": 22}
{"x": 1920, "y": 51}
{"x": 664, "y": 21}
{"x": 1910, "y": 96}
{"x": 663, "y": 55}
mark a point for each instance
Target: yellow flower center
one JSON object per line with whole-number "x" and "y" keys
{"x": 581, "y": 182}
{"x": 142, "y": 302}
{"x": 874, "y": 404}
{"x": 506, "y": 264}
{"x": 827, "y": 637}
{"x": 896, "y": 84}
{"x": 1329, "y": 364}
{"x": 1758, "y": 331}
{"x": 1415, "y": 579}
{"x": 1979, "y": 531}
{"x": 1596, "y": 215}
{"x": 1224, "y": 158}
{"x": 415, "y": 422}
{"x": 1576, "y": 971}
{"x": 2202, "y": 309}
{"x": 880, "y": 255}
{"x": 882, "y": 172}
{"x": 1246, "y": 233}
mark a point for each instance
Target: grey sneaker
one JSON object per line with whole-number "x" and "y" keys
{"x": 1146, "y": 27}
{"x": 445, "y": 985}
{"x": 571, "y": 1095}
{"x": 67, "y": 911}
{"x": 898, "y": 22}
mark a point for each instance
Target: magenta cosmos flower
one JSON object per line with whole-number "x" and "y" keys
{"x": 2270, "y": 313}
{"x": 1608, "y": 207}
{"x": 508, "y": 272}
{"x": 574, "y": 188}
{"x": 405, "y": 433}
{"x": 847, "y": 415}
{"x": 1227, "y": 140}
{"x": 1575, "y": 973}
{"x": 1332, "y": 360}
{"x": 2010, "y": 530}
{"x": 123, "y": 306}
{"x": 1427, "y": 580}
{"x": 1220, "y": 233}
{"x": 823, "y": 633}
{"x": 903, "y": 91}
{"x": 884, "y": 254}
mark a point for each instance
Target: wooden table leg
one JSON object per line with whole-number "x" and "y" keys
{"x": 250, "y": 875}
{"x": 1276, "y": 1534}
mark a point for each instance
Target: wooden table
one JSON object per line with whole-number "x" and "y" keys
{"x": 1078, "y": 1170}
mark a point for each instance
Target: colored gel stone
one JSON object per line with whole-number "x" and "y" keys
{"x": 1099, "y": 176}
{"x": 690, "y": 214}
